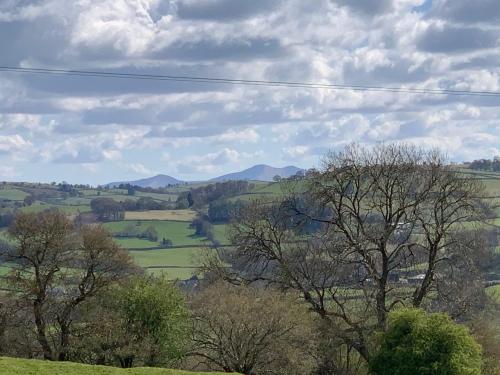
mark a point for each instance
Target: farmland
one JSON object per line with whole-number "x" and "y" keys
{"x": 174, "y": 215}
{"x": 177, "y": 248}
{"x": 179, "y": 260}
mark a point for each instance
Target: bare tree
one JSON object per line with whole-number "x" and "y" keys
{"x": 386, "y": 218}
{"x": 57, "y": 268}
{"x": 252, "y": 331}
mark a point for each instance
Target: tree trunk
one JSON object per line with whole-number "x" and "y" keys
{"x": 64, "y": 342}
{"x": 41, "y": 330}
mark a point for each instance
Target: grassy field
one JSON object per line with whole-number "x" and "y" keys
{"x": 220, "y": 233}
{"x": 177, "y": 263}
{"x": 178, "y": 232}
{"x": 17, "y": 366}
{"x": 68, "y": 209}
{"x": 179, "y": 257}
{"x": 135, "y": 243}
{"x": 176, "y": 215}
{"x": 12, "y": 194}
{"x": 172, "y": 197}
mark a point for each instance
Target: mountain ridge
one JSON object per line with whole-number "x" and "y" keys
{"x": 160, "y": 180}
{"x": 259, "y": 172}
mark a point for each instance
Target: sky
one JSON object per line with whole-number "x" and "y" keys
{"x": 96, "y": 130}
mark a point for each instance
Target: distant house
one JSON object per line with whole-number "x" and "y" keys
{"x": 416, "y": 279}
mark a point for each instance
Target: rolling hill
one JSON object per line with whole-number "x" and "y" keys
{"x": 259, "y": 172}
{"x": 157, "y": 181}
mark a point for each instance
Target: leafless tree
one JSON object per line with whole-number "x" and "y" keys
{"x": 57, "y": 268}
{"x": 251, "y": 331}
{"x": 383, "y": 221}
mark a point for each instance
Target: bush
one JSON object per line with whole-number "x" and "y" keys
{"x": 419, "y": 343}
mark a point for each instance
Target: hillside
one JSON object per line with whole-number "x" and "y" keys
{"x": 260, "y": 172}
{"x": 157, "y": 181}
{"x": 17, "y": 366}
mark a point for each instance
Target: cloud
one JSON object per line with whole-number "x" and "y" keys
{"x": 367, "y": 7}
{"x": 227, "y": 50}
{"x": 242, "y": 136}
{"x": 140, "y": 169}
{"x": 452, "y": 39}
{"x": 465, "y": 11}
{"x": 223, "y": 10}
{"x": 14, "y": 144}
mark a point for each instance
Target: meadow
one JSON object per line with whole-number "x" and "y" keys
{"x": 18, "y": 366}
{"x": 174, "y": 215}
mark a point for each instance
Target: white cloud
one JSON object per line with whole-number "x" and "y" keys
{"x": 140, "y": 169}
{"x": 241, "y": 136}
{"x": 13, "y": 144}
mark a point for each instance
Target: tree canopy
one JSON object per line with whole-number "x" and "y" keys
{"x": 418, "y": 343}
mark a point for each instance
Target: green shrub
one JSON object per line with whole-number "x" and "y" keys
{"x": 419, "y": 343}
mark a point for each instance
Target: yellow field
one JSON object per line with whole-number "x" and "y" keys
{"x": 178, "y": 215}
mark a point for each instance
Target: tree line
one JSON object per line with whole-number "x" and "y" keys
{"x": 491, "y": 165}
{"x": 198, "y": 197}
{"x": 107, "y": 209}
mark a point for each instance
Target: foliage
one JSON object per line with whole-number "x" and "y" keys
{"x": 198, "y": 197}
{"x": 203, "y": 228}
{"x": 222, "y": 211}
{"x": 419, "y": 343}
{"x": 251, "y": 330}
{"x": 107, "y": 209}
{"x": 486, "y": 165}
{"x": 155, "y": 317}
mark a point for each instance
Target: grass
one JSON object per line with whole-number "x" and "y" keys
{"x": 178, "y": 232}
{"x": 18, "y": 366}
{"x": 178, "y": 215}
{"x": 135, "y": 243}
{"x": 179, "y": 257}
{"x": 180, "y": 263}
{"x": 12, "y": 194}
{"x": 157, "y": 196}
{"x": 220, "y": 233}
{"x": 67, "y": 209}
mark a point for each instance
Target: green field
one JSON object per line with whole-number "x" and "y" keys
{"x": 170, "y": 197}
{"x": 17, "y": 366}
{"x": 135, "y": 243}
{"x": 180, "y": 257}
{"x": 178, "y": 232}
{"x": 220, "y": 233}
{"x": 175, "y": 215}
{"x": 68, "y": 209}
{"x": 12, "y": 194}
{"x": 177, "y": 263}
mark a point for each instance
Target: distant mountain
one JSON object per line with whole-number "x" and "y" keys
{"x": 259, "y": 172}
{"x": 160, "y": 180}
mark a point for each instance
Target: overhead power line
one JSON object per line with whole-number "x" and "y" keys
{"x": 246, "y": 82}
